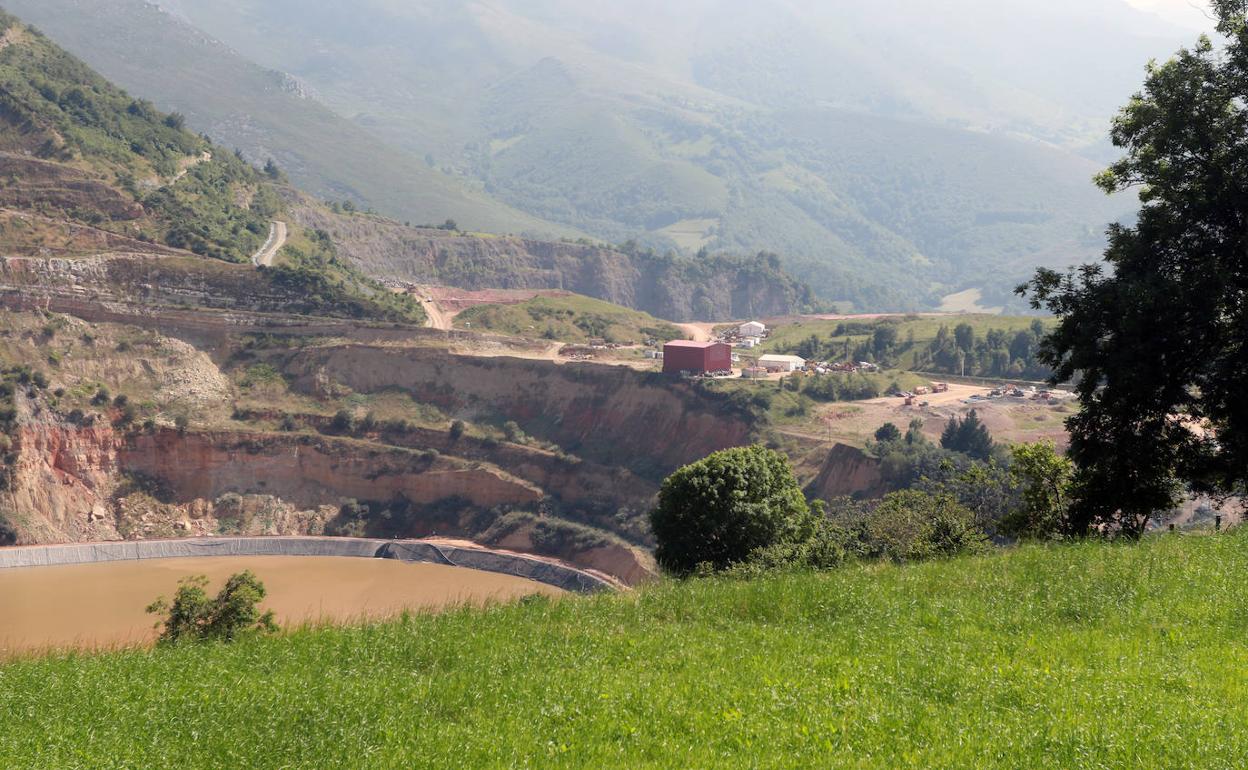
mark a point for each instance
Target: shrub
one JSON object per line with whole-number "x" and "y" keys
{"x": 721, "y": 509}
{"x": 457, "y": 430}
{"x": 827, "y": 548}
{"x": 232, "y": 613}
{"x": 343, "y": 422}
{"x": 912, "y": 525}
{"x": 888, "y": 432}
{"x": 128, "y": 415}
{"x": 1046, "y": 478}
{"x": 8, "y": 535}
{"x": 513, "y": 432}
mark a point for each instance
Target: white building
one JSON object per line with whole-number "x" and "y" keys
{"x": 751, "y": 329}
{"x": 778, "y": 363}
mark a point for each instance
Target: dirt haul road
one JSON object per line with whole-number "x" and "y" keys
{"x": 277, "y": 239}
{"x": 437, "y": 318}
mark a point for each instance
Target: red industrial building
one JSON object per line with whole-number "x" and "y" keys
{"x": 696, "y": 357}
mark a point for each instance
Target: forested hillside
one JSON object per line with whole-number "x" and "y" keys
{"x": 86, "y": 169}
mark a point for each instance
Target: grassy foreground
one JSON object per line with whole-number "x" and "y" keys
{"x": 1090, "y": 655}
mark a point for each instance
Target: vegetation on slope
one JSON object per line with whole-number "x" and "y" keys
{"x": 85, "y": 157}
{"x": 140, "y": 46}
{"x": 1072, "y": 656}
{"x": 310, "y": 267}
{"x": 570, "y": 318}
{"x": 974, "y": 345}
{"x": 192, "y": 195}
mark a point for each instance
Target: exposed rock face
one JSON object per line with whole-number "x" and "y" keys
{"x": 610, "y": 414}
{"x": 311, "y": 470}
{"x": 63, "y": 480}
{"x": 677, "y": 289}
{"x": 69, "y": 481}
{"x": 87, "y": 484}
{"x": 847, "y": 471}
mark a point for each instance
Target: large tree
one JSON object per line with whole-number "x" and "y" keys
{"x": 720, "y": 510}
{"x": 1157, "y": 334}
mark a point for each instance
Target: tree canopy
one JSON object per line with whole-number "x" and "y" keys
{"x": 967, "y": 435}
{"x": 1158, "y": 333}
{"x": 723, "y": 508}
{"x": 233, "y": 612}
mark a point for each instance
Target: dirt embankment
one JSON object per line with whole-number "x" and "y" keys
{"x": 611, "y": 415}
{"x": 311, "y": 470}
{"x": 575, "y": 481}
{"x": 69, "y": 481}
{"x": 87, "y": 484}
{"x": 28, "y": 183}
{"x": 847, "y": 471}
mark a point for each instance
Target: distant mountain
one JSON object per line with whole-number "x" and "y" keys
{"x": 892, "y": 151}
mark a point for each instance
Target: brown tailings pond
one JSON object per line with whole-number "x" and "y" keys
{"x": 102, "y": 605}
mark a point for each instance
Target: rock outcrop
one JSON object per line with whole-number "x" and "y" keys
{"x": 674, "y": 288}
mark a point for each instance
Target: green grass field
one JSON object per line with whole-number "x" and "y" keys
{"x": 571, "y": 318}
{"x": 1088, "y": 655}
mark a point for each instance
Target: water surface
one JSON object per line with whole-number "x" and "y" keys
{"x": 102, "y": 605}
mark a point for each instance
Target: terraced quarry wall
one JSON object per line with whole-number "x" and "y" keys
{"x": 665, "y": 288}
{"x": 610, "y": 414}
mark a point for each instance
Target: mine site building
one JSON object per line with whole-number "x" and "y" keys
{"x": 778, "y": 363}
{"x": 752, "y": 329}
{"x": 696, "y": 357}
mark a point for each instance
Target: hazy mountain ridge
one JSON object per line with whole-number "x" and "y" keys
{"x": 890, "y": 153}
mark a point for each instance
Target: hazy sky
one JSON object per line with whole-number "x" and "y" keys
{"x": 1188, "y": 13}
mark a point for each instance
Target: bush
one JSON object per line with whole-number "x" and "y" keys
{"x": 233, "y": 613}
{"x": 1046, "y": 478}
{"x": 888, "y": 432}
{"x": 514, "y": 434}
{"x": 343, "y": 422}
{"x": 457, "y": 430}
{"x": 8, "y": 535}
{"x": 720, "y": 510}
{"x": 912, "y": 526}
{"x": 827, "y": 548}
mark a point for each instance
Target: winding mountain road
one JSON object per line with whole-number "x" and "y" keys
{"x": 277, "y": 239}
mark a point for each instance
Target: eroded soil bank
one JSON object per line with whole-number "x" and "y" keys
{"x": 102, "y": 605}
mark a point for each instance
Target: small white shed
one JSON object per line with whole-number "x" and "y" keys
{"x": 751, "y": 329}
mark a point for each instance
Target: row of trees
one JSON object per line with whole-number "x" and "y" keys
{"x": 960, "y": 350}
{"x": 998, "y": 353}
{"x": 742, "y": 508}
